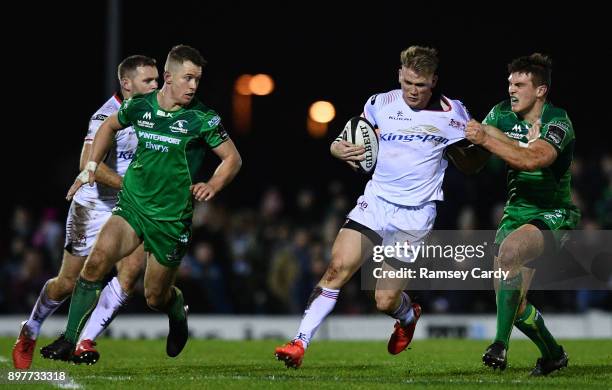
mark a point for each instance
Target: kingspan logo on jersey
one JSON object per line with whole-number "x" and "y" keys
{"x": 146, "y": 121}
{"x": 422, "y": 133}
{"x": 179, "y": 126}
{"x": 126, "y": 155}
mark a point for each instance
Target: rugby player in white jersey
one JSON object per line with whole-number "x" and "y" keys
{"x": 415, "y": 126}
{"x": 89, "y": 210}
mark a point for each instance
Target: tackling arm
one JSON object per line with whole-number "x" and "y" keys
{"x": 535, "y": 155}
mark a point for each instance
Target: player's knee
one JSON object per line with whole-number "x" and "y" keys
{"x": 385, "y": 301}
{"x": 60, "y": 287}
{"x": 337, "y": 269}
{"x": 94, "y": 265}
{"x": 67, "y": 284}
{"x": 98, "y": 256}
{"x": 509, "y": 254}
{"x": 335, "y": 272}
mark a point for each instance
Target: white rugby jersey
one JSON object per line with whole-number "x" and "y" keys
{"x": 118, "y": 158}
{"x": 410, "y": 166}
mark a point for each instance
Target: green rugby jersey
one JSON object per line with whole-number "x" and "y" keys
{"x": 546, "y": 188}
{"x": 171, "y": 147}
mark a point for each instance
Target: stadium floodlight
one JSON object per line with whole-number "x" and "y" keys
{"x": 261, "y": 84}
{"x": 242, "y": 85}
{"x": 322, "y": 111}
{"x": 320, "y": 114}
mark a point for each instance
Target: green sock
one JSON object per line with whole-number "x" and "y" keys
{"x": 508, "y": 299}
{"x": 532, "y": 324}
{"x": 84, "y": 299}
{"x": 175, "y": 308}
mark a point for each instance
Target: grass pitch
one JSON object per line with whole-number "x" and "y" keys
{"x": 434, "y": 364}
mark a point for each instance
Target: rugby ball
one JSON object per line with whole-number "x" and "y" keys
{"x": 359, "y": 131}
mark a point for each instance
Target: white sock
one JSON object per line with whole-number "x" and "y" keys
{"x": 112, "y": 298}
{"x": 43, "y": 308}
{"x": 404, "y": 312}
{"x": 321, "y": 303}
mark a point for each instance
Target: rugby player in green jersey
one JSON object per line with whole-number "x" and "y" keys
{"x": 536, "y": 139}
{"x": 155, "y": 205}
{"x": 88, "y": 212}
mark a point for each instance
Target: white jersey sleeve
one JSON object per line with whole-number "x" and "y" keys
{"x": 109, "y": 108}
{"x": 369, "y": 110}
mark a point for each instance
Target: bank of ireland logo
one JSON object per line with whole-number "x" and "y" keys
{"x": 179, "y": 126}
{"x": 214, "y": 121}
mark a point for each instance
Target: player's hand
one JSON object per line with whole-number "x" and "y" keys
{"x": 347, "y": 151}
{"x": 475, "y": 132}
{"x": 203, "y": 191}
{"x": 87, "y": 175}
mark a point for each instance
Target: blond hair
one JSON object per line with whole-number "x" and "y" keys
{"x": 420, "y": 59}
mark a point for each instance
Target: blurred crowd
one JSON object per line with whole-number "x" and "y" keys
{"x": 266, "y": 259}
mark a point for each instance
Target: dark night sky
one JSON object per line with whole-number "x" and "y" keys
{"x": 344, "y": 58}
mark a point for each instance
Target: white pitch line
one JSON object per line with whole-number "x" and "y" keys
{"x": 67, "y": 383}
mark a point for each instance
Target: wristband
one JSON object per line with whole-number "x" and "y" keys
{"x": 91, "y": 166}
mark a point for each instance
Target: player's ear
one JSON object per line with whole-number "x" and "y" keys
{"x": 167, "y": 77}
{"x": 541, "y": 91}
{"x": 126, "y": 84}
{"x": 399, "y": 75}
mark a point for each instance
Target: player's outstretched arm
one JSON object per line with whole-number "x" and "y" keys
{"x": 225, "y": 172}
{"x": 101, "y": 144}
{"x": 535, "y": 155}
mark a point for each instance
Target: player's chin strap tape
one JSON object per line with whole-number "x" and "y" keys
{"x": 90, "y": 167}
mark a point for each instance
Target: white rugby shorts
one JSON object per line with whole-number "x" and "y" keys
{"x": 82, "y": 227}
{"x": 395, "y": 224}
